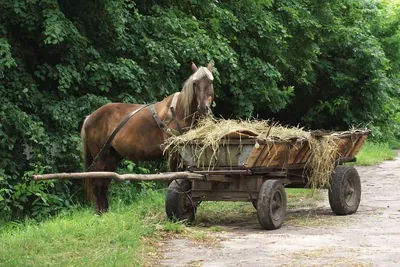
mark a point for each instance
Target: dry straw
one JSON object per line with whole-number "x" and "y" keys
{"x": 210, "y": 132}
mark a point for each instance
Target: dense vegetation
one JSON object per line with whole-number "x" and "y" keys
{"x": 320, "y": 64}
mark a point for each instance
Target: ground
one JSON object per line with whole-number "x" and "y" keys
{"x": 309, "y": 236}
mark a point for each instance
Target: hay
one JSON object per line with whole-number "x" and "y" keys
{"x": 322, "y": 161}
{"x": 210, "y": 132}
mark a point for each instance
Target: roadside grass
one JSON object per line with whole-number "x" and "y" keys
{"x": 80, "y": 238}
{"x": 125, "y": 236}
{"x": 374, "y": 153}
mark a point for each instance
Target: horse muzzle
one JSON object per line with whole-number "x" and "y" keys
{"x": 204, "y": 110}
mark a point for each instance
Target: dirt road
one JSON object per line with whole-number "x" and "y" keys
{"x": 311, "y": 236}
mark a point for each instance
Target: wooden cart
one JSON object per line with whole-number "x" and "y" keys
{"x": 251, "y": 170}
{"x": 258, "y": 171}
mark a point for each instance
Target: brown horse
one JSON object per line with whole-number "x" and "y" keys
{"x": 140, "y": 138}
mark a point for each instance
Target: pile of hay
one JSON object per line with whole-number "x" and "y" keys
{"x": 209, "y": 133}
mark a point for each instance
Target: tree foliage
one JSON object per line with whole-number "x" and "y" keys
{"x": 323, "y": 64}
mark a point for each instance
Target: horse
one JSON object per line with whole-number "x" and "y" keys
{"x": 145, "y": 130}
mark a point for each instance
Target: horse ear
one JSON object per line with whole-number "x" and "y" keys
{"x": 194, "y": 67}
{"x": 209, "y": 67}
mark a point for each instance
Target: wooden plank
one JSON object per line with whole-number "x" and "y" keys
{"x": 224, "y": 172}
{"x": 300, "y": 154}
{"x": 120, "y": 177}
{"x": 274, "y": 152}
{"x": 224, "y": 195}
{"x": 359, "y": 145}
{"x": 293, "y": 152}
{"x": 222, "y": 178}
{"x": 281, "y": 152}
{"x": 201, "y": 185}
{"x": 354, "y": 143}
{"x": 347, "y": 147}
{"x": 263, "y": 155}
{"x": 305, "y": 156}
{"x": 268, "y": 172}
{"x": 255, "y": 153}
{"x": 283, "y": 163}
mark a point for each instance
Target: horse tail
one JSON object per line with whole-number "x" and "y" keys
{"x": 87, "y": 160}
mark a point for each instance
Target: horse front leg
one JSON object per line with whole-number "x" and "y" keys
{"x": 173, "y": 163}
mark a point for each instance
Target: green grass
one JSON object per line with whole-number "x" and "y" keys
{"x": 80, "y": 238}
{"x": 374, "y": 153}
{"x": 173, "y": 227}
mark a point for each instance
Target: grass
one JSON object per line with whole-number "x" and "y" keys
{"x": 173, "y": 227}
{"x": 374, "y": 153}
{"x": 79, "y": 237}
{"x": 121, "y": 237}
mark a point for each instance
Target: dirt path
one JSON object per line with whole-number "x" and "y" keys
{"x": 371, "y": 237}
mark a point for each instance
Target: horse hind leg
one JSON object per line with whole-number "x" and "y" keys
{"x": 100, "y": 190}
{"x": 97, "y": 188}
{"x": 101, "y": 186}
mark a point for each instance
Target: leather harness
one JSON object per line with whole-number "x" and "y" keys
{"x": 163, "y": 125}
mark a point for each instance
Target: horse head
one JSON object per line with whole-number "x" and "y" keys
{"x": 199, "y": 90}
{"x": 203, "y": 88}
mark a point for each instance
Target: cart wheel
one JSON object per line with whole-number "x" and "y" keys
{"x": 178, "y": 204}
{"x": 271, "y": 205}
{"x": 345, "y": 192}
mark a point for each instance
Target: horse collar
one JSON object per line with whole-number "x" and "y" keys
{"x": 164, "y": 124}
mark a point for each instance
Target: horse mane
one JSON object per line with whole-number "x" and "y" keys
{"x": 187, "y": 90}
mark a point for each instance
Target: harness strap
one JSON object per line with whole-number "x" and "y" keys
{"x": 112, "y": 136}
{"x": 174, "y": 100}
{"x": 172, "y": 115}
{"x": 172, "y": 110}
{"x": 160, "y": 124}
{"x": 163, "y": 125}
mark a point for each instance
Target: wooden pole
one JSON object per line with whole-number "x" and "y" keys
{"x": 168, "y": 176}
